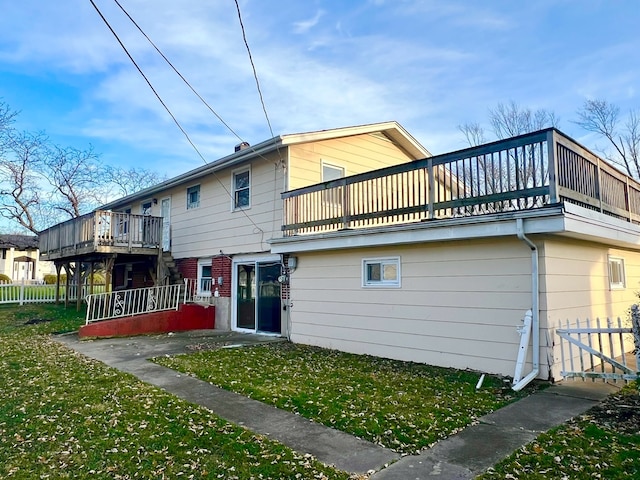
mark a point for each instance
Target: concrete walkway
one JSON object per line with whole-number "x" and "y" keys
{"x": 462, "y": 456}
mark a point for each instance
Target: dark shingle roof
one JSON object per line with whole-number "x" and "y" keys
{"x": 19, "y": 242}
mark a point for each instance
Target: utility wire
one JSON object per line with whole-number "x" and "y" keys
{"x": 164, "y": 57}
{"x": 255, "y": 74}
{"x": 177, "y": 72}
{"x": 175, "y": 120}
{"x": 106, "y": 22}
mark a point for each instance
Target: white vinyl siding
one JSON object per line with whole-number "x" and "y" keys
{"x": 356, "y": 154}
{"x": 459, "y": 304}
{"x": 214, "y": 226}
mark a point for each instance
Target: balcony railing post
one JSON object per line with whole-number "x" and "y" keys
{"x": 345, "y": 206}
{"x": 96, "y": 228}
{"x": 552, "y": 161}
{"x": 627, "y": 199}
{"x": 431, "y": 189}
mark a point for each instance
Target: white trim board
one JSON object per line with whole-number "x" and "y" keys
{"x": 570, "y": 220}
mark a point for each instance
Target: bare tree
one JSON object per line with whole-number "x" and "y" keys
{"x": 123, "y": 182}
{"x": 488, "y": 174}
{"x": 42, "y": 183}
{"x": 20, "y": 198}
{"x": 623, "y": 136}
{"x": 75, "y": 176}
{"x": 473, "y": 133}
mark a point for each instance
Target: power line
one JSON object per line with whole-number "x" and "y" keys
{"x": 164, "y": 57}
{"x": 175, "y": 120}
{"x": 255, "y": 74}
{"x": 106, "y": 22}
{"x": 177, "y": 72}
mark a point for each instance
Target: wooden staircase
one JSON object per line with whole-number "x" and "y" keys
{"x": 168, "y": 271}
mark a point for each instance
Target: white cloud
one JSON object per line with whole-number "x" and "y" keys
{"x": 304, "y": 26}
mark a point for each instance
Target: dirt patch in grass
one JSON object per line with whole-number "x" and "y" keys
{"x": 619, "y": 412}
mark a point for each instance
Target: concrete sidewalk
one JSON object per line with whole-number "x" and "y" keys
{"x": 461, "y": 456}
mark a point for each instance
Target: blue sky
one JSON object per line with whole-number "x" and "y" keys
{"x": 430, "y": 65}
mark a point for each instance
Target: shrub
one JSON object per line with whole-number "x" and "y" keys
{"x": 4, "y": 279}
{"x": 51, "y": 279}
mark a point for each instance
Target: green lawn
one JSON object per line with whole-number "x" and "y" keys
{"x": 65, "y": 416}
{"x": 401, "y": 405}
{"x": 603, "y": 443}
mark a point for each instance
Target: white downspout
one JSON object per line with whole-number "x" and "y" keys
{"x": 535, "y": 307}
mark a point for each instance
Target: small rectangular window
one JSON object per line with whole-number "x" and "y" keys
{"x": 193, "y": 197}
{"x": 381, "y": 272}
{"x": 241, "y": 189}
{"x": 616, "y": 273}
{"x": 145, "y": 209}
{"x": 204, "y": 277}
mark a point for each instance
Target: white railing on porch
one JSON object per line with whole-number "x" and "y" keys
{"x": 22, "y": 293}
{"x": 126, "y": 303}
{"x": 591, "y": 350}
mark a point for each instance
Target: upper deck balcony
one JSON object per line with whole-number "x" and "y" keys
{"x": 525, "y": 172}
{"x": 102, "y": 232}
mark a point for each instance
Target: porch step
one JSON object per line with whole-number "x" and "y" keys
{"x": 171, "y": 270}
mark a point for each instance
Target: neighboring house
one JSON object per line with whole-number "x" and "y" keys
{"x": 20, "y": 259}
{"x": 377, "y": 247}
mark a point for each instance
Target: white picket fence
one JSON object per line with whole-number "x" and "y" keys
{"x": 592, "y": 349}
{"x": 22, "y": 293}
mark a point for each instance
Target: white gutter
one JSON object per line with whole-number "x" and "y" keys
{"x": 535, "y": 307}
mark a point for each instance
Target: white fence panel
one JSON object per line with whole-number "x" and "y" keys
{"x": 21, "y": 293}
{"x": 591, "y": 349}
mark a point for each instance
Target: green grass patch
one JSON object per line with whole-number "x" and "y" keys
{"x": 63, "y": 415}
{"x": 603, "y": 443}
{"x": 401, "y": 405}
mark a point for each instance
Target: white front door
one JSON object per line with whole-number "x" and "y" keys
{"x": 165, "y": 211}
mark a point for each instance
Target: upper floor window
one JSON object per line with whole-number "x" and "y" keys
{"x": 241, "y": 189}
{"x": 193, "y": 197}
{"x": 146, "y": 208}
{"x": 331, "y": 172}
{"x": 616, "y": 273}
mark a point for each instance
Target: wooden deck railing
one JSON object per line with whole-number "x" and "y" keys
{"x": 524, "y": 172}
{"x": 93, "y": 231}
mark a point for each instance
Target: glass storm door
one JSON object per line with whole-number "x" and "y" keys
{"x": 269, "y": 304}
{"x": 246, "y": 296}
{"x": 258, "y": 302}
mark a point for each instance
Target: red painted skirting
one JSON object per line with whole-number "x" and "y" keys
{"x": 188, "y": 317}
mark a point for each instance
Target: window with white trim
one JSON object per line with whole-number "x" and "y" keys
{"x": 241, "y": 187}
{"x": 204, "y": 277}
{"x": 193, "y": 197}
{"x": 332, "y": 172}
{"x": 616, "y": 273}
{"x": 381, "y": 272}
